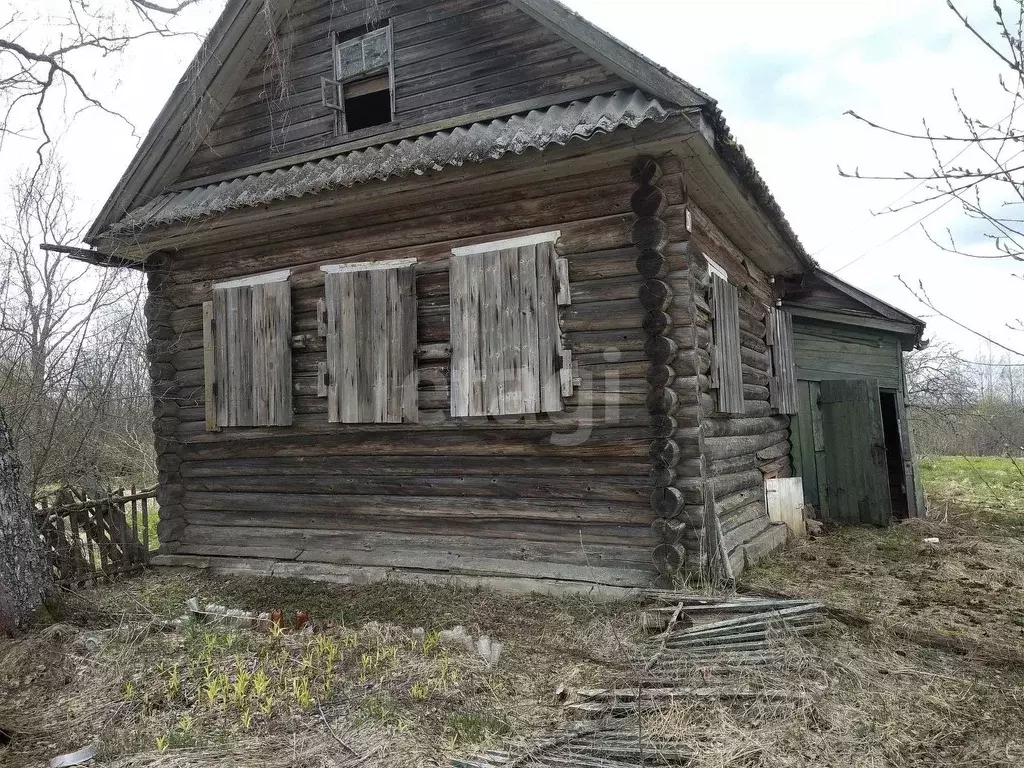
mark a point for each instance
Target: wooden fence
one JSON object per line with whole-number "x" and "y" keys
{"x": 91, "y": 539}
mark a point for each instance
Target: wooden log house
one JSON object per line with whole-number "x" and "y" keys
{"x": 456, "y": 288}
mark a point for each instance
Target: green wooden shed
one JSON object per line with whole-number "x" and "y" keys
{"x": 851, "y": 439}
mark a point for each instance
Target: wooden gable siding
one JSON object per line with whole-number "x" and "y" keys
{"x": 564, "y": 496}
{"x": 451, "y": 58}
{"x": 740, "y": 449}
{"x": 827, "y": 351}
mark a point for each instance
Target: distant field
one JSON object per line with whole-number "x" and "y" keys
{"x": 990, "y": 487}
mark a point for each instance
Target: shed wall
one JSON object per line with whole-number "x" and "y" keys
{"x": 827, "y": 351}
{"x": 564, "y": 497}
{"x": 830, "y": 351}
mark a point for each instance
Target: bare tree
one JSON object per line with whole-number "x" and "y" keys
{"x": 980, "y": 168}
{"x": 65, "y": 330}
{"x": 24, "y": 572}
{"x": 48, "y": 48}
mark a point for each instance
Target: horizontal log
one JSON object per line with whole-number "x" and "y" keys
{"x": 506, "y": 467}
{"x": 730, "y": 447}
{"x": 321, "y": 439}
{"x": 773, "y": 452}
{"x": 434, "y": 507}
{"x": 775, "y": 467}
{"x": 725, "y": 505}
{"x": 754, "y": 510}
{"x": 739, "y": 481}
{"x": 626, "y": 490}
{"x": 390, "y": 547}
{"x": 728, "y": 427}
{"x": 728, "y": 466}
{"x": 633, "y": 534}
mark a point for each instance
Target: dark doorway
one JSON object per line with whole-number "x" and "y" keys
{"x": 894, "y": 455}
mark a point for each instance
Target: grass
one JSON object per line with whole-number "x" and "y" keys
{"x": 368, "y": 685}
{"x": 990, "y": 488}
{"x": 365, "y": 676}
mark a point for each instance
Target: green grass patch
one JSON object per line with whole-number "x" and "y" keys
{"x": 991, "y": 488}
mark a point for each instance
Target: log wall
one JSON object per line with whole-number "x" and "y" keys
{"x": 739, "y": 451}
{"x": 565, "y": 497}
{"x": 451, "y": 59}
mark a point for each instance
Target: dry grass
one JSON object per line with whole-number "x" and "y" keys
{"x": 206, "y": 695}
{"x": 851, "y": 696}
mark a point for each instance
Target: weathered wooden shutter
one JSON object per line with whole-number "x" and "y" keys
{"x": 726, "y": 365}
{"x": 252, "y": 355}
{"x": 506, "y": 344}
{"x": 783, "y": 384}
{"x": 371, "y": 343}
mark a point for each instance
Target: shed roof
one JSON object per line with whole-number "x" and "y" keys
{"x": 844, "y": 303}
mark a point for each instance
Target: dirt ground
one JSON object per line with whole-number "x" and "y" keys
{"x": 922, "y": 664}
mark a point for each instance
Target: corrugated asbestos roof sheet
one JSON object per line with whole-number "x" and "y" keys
{"x": 433, "y": 152}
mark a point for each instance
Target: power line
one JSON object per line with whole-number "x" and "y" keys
{"x": 902, "y": 232}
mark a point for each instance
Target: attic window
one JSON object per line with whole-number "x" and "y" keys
{"x": 362, "y": 93}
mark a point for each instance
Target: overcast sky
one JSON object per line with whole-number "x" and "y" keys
{"x": 784, "y": 73}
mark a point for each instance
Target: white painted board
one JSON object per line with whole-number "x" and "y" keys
{"x": 785, "y": 499}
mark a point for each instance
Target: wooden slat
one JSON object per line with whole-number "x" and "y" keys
{"x": 529, "y": 330}
{"x": 475, "y": 350}
{"x": 727, "y": 360}
{"x": 461, "y": 338}
{"x": 262, "y": 332}
{"x": 407, "y": 342}
{"x": 209, "y": 367}
{"x": 510, "y": 333}
{"x": 375, "y": 341}
{"x": 564, "y": 291}
{"x": 220, "y": 327}
{"x": 237, "y": 336}
{"x": 493, "y": 313}
{"x": 547, "y": 331}
{"x": 784, "y": 394}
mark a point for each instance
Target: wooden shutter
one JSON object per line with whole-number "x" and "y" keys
{"x": 371, "y": 343}
{"x": 783, "y": 384}
{"x": 727, "y": 371}
{"x": 506, "y": 344}
{"x": 252, "y": 356}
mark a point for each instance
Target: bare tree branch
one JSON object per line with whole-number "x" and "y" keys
{"x": 48, "y": 58}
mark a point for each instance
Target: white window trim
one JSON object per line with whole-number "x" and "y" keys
{"x": 367, "y": 266}
{"x": 502, "y": 245}
{"x": 715, "y": 268}
{"x": 269, "y": 277}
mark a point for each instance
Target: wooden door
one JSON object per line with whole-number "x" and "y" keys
{"x": 857, "y": 478}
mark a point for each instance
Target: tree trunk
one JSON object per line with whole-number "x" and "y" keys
{"x": 24, "y": 571}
